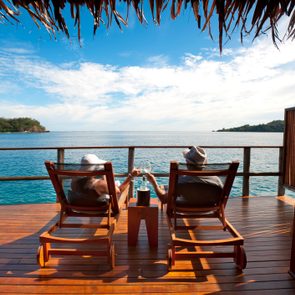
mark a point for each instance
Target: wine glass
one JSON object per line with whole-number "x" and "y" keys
{"x": 146, "y": 167}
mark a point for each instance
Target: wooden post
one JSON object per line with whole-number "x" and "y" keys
{"x": 60, "y": 155}
{"x": 60, "y": 159}
{"x": 246, "y": 170}
{"x": 281, "y": 189}
{"x": 292, "y": 260}
{"x": 131, "y": 152}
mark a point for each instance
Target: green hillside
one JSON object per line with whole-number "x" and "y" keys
{"x": 21, "y": 125}
{"x": 273, "y": 126}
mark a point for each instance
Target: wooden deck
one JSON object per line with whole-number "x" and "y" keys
{"x": 265, "y": 223}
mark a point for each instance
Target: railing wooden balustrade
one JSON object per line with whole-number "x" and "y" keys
{"x": 246, "y": 173}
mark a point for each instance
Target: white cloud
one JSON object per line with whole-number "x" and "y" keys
{"x": 249, "y": 85}
{"x": 190, "y": 59}
{"x": 17, "y": 50}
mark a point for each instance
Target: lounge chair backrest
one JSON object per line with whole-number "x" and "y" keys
{"x": 62, "y": 174}
{"x": 186, "y": 191}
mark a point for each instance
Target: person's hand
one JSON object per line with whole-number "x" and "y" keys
{"x": 151, "y": 178}
{"x": 135, "y": 172}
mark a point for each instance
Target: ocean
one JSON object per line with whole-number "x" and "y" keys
{"x": 25, "y": 163}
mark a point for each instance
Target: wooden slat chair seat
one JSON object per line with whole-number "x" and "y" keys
{"x": 105, "y": 211}
{"x": 191, "y": 203}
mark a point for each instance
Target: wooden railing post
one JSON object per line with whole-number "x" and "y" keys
{"x": 292, "y": 260}
{"x": 246, "y": 170}
{"x": 281, "y": 189}
{"x": 60, "y": 155}
{"x": 60, "y": 159}
{"x": 131, "y": 151}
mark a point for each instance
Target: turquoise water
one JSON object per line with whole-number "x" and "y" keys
{"x": 16, "y": 163}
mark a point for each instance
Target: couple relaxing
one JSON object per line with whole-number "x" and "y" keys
{"x": 91, "y": 191}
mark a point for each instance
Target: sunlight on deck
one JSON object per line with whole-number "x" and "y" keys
{"x": 265, "y": 223}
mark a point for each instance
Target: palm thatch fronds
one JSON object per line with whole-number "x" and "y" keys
{"x": 250, "y": 16}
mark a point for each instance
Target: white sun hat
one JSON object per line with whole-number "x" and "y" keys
{"x": 91, "y": 162}
{"x": 195, "y": 155}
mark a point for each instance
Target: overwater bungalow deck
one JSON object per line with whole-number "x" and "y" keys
{"x": 265, "y": 223}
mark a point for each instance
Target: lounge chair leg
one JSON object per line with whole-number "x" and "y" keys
{"x": 109, "y": 215}
{"x": 46, "y": 247}
{"x": 223, "y": 217}
{"x": 111, "y": 257}
{"x": 170, "y": 259}
{"x": 40, "y": 256}
{"x": 61, "y": 218}
{"x": 240, "y": 257}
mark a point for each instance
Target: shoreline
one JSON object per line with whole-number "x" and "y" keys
{"x": 23, "y": 132}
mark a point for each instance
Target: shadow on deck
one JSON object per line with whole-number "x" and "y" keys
{"x": 265, "y": 223}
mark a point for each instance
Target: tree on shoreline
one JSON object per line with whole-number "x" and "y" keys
{"x": 21, "y": 125}
{"x": 273, "y": 126}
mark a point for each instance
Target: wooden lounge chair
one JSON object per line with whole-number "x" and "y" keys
{"x": 97, "y": 238}
{"x": 196, "y": 215}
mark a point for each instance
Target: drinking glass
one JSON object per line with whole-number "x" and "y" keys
{"x": 146, "y": 167}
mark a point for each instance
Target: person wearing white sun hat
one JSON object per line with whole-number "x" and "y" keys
{"x": 91, "y": 191}
{"x": 194, "y": 155}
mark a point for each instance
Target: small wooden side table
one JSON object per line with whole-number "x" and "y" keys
{"x": 150, "y": 215}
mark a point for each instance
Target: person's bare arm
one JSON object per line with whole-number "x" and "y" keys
{"x": 134, "y": 173}
{"x": 101, "y": 185}
{"x": 160, "y": 191}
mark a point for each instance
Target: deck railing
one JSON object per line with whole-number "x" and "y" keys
{"x": 246, "y": 173}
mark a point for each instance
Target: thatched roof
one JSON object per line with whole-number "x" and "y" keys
{"x": 248, "y": 16}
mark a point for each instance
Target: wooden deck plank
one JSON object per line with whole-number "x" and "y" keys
{"x": 265, "y": 223}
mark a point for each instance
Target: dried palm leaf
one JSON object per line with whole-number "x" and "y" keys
{"x": 255, "y": 16}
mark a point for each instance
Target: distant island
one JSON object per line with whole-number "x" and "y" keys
{"x": 273, "y": 126}
{"x": 21, "y": 125}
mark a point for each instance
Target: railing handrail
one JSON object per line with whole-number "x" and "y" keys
{"x": 131, "y": 156}
{"x": 136, "y": 146}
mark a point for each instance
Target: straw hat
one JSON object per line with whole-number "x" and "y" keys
{"x": 195, "y": 155}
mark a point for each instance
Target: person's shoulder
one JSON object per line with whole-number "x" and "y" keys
{"x": 213, "y": 180}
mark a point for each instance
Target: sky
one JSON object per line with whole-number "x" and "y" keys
{"x": 144, "y": 78}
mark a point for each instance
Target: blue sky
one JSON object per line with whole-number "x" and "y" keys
{"x": 146, "y": 77}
